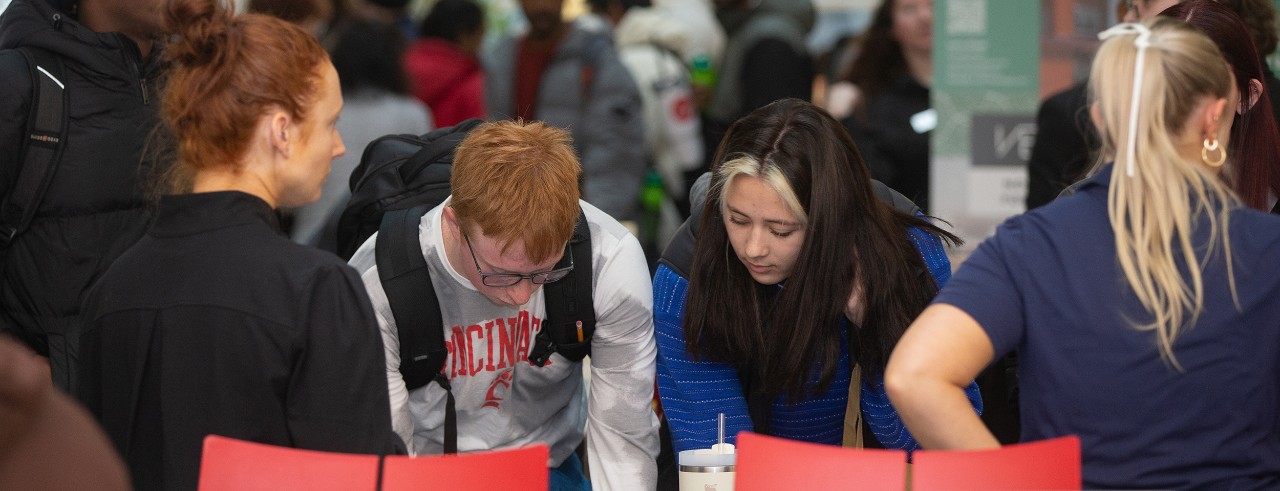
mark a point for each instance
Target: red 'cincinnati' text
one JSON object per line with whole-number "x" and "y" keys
{"x": 494, "y": 345}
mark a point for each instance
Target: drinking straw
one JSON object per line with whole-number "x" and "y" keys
{"x": 720, "y": 433}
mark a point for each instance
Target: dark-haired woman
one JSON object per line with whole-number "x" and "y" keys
{"x": 443, "y": 67}
{"x": 890, "y": 114}
{"x": 215, "y": 323}
{"x": 799, "y": 272}
{"x": 1253, "y": 170}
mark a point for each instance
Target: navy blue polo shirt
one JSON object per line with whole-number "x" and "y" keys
{"x": 1048, "y": 285}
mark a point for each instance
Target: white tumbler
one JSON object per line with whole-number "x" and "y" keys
{"x": 708, "y": 469}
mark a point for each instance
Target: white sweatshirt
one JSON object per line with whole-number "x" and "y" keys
{"x": 502, "y": 401}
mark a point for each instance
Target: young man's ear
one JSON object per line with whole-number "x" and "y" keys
{"x": 451, "y": 221}
{"x": 450, "y": 216}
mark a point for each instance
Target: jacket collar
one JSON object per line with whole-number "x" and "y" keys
{"x": 189, "y": 214}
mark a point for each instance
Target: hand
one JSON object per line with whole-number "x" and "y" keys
{"x": 842, "y": 97}
{"x": 856, "y": 309}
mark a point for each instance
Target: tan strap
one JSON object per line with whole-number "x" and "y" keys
{"x": 853, "y": 411}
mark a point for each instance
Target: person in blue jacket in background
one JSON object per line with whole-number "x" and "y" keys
{"x": 803, "y": 267}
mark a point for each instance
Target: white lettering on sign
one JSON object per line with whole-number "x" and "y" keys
{"x": 1020, "y": 137}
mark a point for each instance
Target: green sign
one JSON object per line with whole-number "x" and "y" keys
{"x": 986, "y": 92}
{"x": 986, "y": 59}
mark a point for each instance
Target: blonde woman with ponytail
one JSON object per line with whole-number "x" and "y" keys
{"x": 1143, "y": 308}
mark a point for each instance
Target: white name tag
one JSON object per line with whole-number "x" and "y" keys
{"x": 924, "y": 121}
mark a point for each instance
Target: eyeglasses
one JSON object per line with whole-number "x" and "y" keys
{"x": 499, "y": 280}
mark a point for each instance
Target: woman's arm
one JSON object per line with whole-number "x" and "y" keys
{"x": 940, "y": 354}
{"x": 882, "y": 416}
{"x": 337, "y": 398}
{"x": 693, "y": 393}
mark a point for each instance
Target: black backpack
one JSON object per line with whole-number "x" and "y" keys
{"x": 399, "y": 179}
{"x": 46, "y": 132}
{"x": 397, "y": 172}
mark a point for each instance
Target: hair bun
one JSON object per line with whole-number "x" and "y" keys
{"x": 199, "y": 28}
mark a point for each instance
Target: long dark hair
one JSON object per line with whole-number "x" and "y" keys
{"x": 880, "y": 61}
{"x": 787, "y": 335}
{"x": 1255, "y": 140}
{"x": 1260, "y": 16}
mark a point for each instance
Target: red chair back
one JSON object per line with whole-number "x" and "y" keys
{"x": 1045, "y": 464}
{"x": 770, "y": 463}
{"x": 229, "y": 464}
{"x": 509, "y": 470}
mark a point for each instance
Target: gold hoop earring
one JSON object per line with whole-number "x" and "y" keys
{"x": 1212, "y": 147}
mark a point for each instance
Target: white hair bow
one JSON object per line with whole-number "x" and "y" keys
{"x": 1142, "y": 42}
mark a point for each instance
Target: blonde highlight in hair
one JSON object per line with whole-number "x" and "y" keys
{"x": 769, "y": 172}
{"x": 1154, "y": 211}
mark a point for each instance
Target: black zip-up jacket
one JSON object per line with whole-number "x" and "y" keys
{"x": 95, "y": 207}
{"x": 215, "y": 323}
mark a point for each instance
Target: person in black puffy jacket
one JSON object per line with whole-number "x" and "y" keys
{"x": 95, "y": 206}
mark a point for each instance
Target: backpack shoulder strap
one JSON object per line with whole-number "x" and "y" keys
{"x": 894, "y": 198}
{"x": 679, "y": 252}
{"x": 571, "y": 312}
{"x": 404, "y": 276}
{"x": 46, "y": 137}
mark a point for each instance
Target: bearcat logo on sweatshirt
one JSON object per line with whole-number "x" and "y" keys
{"x": 491, "y": 398}
{"x": 496, "y": 345}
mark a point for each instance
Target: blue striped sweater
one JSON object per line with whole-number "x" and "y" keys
{"x": 694, "y": 392}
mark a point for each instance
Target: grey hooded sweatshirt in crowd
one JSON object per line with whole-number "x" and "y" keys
{"x": 586, "y": 90}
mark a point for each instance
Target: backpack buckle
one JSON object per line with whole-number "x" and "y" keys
{"x": 543, "y": 347}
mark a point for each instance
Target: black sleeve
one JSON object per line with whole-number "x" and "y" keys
{"x": 338, "y": 391}
{"x": 772, "y": 71}
{"x": 15, "y": 96}
{"x": 1065, "y": 140}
